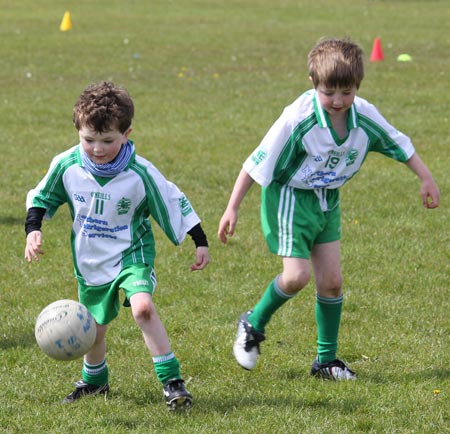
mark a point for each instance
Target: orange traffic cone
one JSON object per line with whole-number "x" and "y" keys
{"x": 66, "y": 23}
{"x": 377, "y": 51}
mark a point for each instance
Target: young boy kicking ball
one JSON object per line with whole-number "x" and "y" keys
{"x": 111, "y": 192}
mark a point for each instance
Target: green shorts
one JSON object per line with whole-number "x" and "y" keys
{"x": 293, "y": 220}
{"x": 103, "y": 301}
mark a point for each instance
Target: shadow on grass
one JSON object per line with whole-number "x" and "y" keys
{"x": 294, "y": 402}
{"x": 424, "y": 375}
{"x": 221, "y": 401}
{"x": 16, "y": 339}
{"x": 11, "y": 220}
{"x": 430, "y": 374}
{"x": 225, "y": 405}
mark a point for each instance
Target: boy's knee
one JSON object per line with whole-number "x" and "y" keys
{"x": 293, "y": 281}
{"x": 143, "y": 311}
{"x": 331, "y": 288}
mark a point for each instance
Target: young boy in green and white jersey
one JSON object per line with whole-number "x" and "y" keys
{"x": 318, "y": 144}
{"x": 111, "y": 192}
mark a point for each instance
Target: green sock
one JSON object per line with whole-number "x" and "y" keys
{"x": 328, "y": 318}
{"x": 167, "y": 367}
{"x": 272, "y": 299}
{"x": 95, "y": 374}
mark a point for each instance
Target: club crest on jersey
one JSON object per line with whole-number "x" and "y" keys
{"x": 259, "y": 156}
{"x": 185, "y": 206}
{"x": 351, "y": 157}
{"x": 123, "y": 206}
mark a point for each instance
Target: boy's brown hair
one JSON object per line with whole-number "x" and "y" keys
{"x": 103, "y": 107}
{"x": 336, "y": 63}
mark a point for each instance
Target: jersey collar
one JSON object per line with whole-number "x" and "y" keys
{"x": 323, "y": 118}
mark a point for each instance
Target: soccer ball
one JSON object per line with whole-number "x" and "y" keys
{"x": 65, "y": 330}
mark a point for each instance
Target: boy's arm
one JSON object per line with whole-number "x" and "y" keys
{"x": 201, "y": 244}
{"x": 229, "y": 219}
{"x": 33, "y": 231}
{"x": 429, "y": 190}
{"x": 198, "y": 236}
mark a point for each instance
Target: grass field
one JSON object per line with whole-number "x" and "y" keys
{"x": 208, "y": 79}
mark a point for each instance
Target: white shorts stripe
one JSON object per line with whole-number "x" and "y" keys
{"x": 285, "y": 221}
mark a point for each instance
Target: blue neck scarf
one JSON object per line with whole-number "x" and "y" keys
{"x": 113, "y": 168}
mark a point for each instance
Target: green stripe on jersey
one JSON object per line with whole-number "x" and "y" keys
{"x": 142, "y": 248}
{"x": 52, "y": 193}
{"x": 293, "y": 154}
{"x": 159, "y": 211}
{"x": 379, "y": 139}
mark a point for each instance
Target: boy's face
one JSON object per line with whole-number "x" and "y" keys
{"x": 102, "y": 148}
{"x": 336, "y": 100}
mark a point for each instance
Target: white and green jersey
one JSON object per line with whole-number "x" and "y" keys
{"x": 110, "y": 215}
{"x": 303, "y": 151}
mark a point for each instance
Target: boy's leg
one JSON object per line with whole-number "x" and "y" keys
{"x": 272, "y": 299}
{"x": 294, "y": 277}
{"x": 326, "y": 262}
{"x": 94, "y": 373}
{"x": 156, "y": 339}
{"x": 251, "y": 325}
{"x": 328, "y": 316}
{"x": 95, "y": 369}
{"x": 103, "y": 303}
{"x": 146, "y": 317}
{"x": 327, "y": 270}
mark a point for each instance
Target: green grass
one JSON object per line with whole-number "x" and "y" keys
{"x": 209, "y": 78}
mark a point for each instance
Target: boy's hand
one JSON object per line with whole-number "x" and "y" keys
{"x": 229, "y": 219}
{"x": 429, "y": 190}
{"x": 33, "y": 246}
{"x": 201, "y": 259}
{"x": 227, "y": 225}
{"x": 430, "y": 194}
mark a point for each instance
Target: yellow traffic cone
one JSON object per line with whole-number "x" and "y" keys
{"x": 66, "y": 23}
